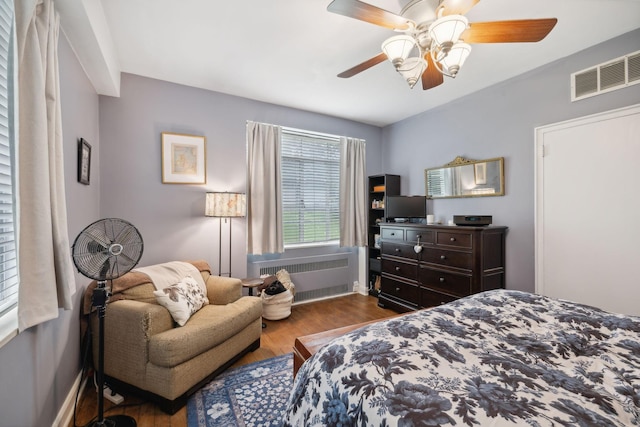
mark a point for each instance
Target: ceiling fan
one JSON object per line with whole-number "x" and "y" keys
{"x": 437, "y": 34}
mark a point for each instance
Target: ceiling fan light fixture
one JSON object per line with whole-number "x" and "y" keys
{"x": 445, "y": 33}
{"x": 412, "y": 69}
{"x": 454, "y": 60}
{"x": 398, "y": 48}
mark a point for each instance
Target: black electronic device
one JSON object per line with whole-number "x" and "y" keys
{"x": 479, "y": 220}
{"x": 406, "y": 208}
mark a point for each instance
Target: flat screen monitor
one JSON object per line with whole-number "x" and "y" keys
{"x": 406, "y": 208}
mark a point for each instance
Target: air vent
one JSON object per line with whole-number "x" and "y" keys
{"x": 633, "y": 67}
{"x": 612, "y": 75}
{"x": 306, "y": 266}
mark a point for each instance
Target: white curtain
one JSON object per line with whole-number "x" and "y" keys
{"x": 264, "y": 188}
{"x": 353, "y": 211}
{"x": 46, "y": 273}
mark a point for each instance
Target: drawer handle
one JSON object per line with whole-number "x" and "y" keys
{"x": 397, "y": 249}
{"x": 442, "y": 280}
{"x": 397, "y": 268}
{"x": 419, "y": 236}
{"x": 443, "y": 257}
{"x": 397, "y": 289}
{"x": 453, "y": 239}
{"x": 393, "y": 234}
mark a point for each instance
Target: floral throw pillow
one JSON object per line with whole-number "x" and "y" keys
{"x": 182, "y": 299}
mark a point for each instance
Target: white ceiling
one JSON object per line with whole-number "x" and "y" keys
{"x": 288, "y": 52}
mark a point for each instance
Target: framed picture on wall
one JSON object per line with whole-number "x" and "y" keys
{"x": 183, "y": 159}
{"x": 84, "y": 161}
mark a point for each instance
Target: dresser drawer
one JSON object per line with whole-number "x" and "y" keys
{"x": 456, "y": 284}
{"x": 399, "y": 250}
{"x": 448, "y": 258}
{"x": 392, "y": 233}
{"x": 401, "y": 290}
{"x": 399, "y": 268}
{"x": 459, "y": 240}
{"x": 425, "y": 236}
{"x": 430, "y": 298}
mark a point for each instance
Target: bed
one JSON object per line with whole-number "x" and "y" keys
{"x": 492, "y": 359}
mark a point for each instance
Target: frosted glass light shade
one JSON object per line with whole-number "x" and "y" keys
{"x": 397, "y": 48}
{"x": 225, "y": 205}
{"x": 448, "y": 29}
{"x": 412, "y": 69}
{"x": 455, "y": 58}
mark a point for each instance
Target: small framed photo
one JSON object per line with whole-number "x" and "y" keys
{"x": 84, "y": 161}
{"x": 480, "y": 173}
{"x": 183, "y": 159}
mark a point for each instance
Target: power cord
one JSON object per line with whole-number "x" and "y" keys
{"x": 114, "y": 397}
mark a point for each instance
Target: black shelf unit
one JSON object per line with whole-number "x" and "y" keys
{"x": 380, "y": 186}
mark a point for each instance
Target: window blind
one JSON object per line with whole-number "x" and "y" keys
{"x": 310, "y": 187}
{"x": 8, "y": 261}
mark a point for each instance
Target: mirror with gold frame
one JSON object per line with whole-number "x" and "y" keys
{"x": 466, "y": 178}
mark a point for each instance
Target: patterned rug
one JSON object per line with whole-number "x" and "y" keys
{"x": 250, "y": 395}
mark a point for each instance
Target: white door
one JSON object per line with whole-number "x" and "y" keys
{"x": 588, "y": 210}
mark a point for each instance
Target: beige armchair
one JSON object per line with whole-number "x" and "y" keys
{"x": 148, "y": 354}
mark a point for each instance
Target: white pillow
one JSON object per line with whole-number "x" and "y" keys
{"x": 182, "y": 299}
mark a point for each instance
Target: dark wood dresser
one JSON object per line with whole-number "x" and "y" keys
{"x": 454, "y": 262}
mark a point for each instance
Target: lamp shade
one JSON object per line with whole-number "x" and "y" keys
{"x": 446, "y": 31}
{"x": 397, "y": 48}
{"x": 452, "y": 63}
{"x": 225, "y": 205}
{"x": 412, "y": 69}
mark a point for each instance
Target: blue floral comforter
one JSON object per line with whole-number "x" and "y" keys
{"x": 492, "y": 359}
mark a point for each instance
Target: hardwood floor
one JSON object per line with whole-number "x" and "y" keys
{"x": 277, "y": 338}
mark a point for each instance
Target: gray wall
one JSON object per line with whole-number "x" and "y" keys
{"x": 38, "y": 367}
{"x": 170, "y": 217}
{"x": 499, "y": 122}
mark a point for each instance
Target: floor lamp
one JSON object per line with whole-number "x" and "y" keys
{"x": 225, "y": 205}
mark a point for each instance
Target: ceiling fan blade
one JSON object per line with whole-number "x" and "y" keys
{"x": 457, "y": 7}
{"x": 431, "y": 77}
{"x": 368, "y": 13}
{"x": 515, "y": 31}
{"x": 381, "y": 57}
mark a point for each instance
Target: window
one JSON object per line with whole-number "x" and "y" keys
{"x": 8, "y": 263}
{"x": 310, "y": 187}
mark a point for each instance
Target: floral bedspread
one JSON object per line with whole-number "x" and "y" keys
{"x": 493, "y": 359}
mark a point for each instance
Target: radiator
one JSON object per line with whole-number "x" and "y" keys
{"x": 314, "y": 277}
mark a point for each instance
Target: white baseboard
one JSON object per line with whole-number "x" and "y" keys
{"x": 362, "y": 289}
{"x": 319, "y": 299}
{"x": 65, "y": 415}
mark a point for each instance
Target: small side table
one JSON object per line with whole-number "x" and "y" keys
{"x": 252, "y": 282}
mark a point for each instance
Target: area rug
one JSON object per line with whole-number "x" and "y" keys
{"x": 251, "y": 395}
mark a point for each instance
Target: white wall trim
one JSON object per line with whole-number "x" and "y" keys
{"x": 65, "y": 415}
{"x": 363, "y": 265}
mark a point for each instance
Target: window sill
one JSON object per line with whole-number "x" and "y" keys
{"x": 312, "y": 245}
{"x": 8, "y": 326}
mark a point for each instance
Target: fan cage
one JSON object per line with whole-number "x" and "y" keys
{"x": 107, "y": 249}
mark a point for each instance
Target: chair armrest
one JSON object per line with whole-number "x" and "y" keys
{"x": 223, "y": 290}
{"x": 128, "y": 326}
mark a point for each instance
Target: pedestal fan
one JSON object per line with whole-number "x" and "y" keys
{"x": 106, "y": 250}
